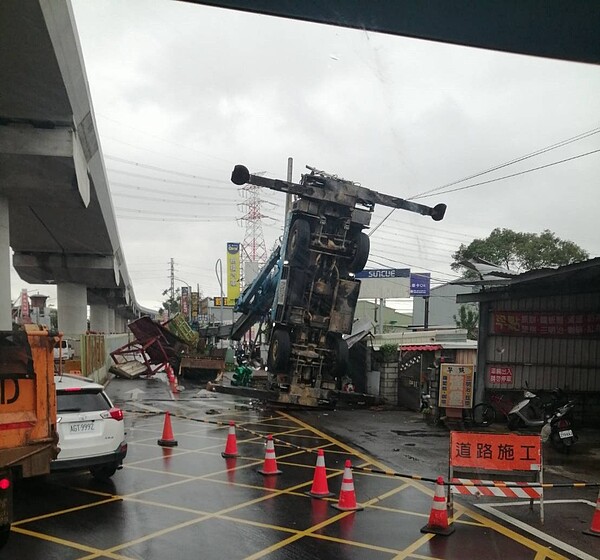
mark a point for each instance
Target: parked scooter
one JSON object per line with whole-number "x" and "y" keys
{"x": 559, "y": 428}
{"x": 533, "y": 412}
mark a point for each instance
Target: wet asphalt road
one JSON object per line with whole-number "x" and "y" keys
{"x": 189, "y": 502}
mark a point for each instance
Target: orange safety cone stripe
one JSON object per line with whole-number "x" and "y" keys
{"x": 347, "y": 499}
{"x": 270, "y": 464}
{"x": 319, "y": 487}
{"x": 231, "y": 444}
{"x": 438, "y": 517}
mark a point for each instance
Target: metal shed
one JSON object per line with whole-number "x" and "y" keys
{"x": 542, "y": 327}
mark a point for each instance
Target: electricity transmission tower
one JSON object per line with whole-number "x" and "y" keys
{"x": 253, "y": 247}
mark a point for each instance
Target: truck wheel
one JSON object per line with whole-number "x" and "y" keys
{"x": 361, "y": 254}
{"x": 298, "y": 243}
{"x": 280, "y": 350}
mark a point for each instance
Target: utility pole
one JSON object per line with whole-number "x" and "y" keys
{"x": 288, "y": 196}
{"x": 172, "y": 284}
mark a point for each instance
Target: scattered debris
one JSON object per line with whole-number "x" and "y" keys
{"x": 204, "y": 394}
{"x": 128, "y": 369}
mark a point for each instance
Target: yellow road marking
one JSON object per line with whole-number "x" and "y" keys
{"x": 540, "y": 549}
{"x": 77, "y": 546}
{"x": 110, "y": 552}
{"x": 68, "y": 510}
{"x": 423, "y": 557}
{"x": 353, "y": 543}
{"x": 542, "y": 552}
{"x": 480, "y": 518}
{"x": 360, "y": 455}
{"x": 309, "y": 531}
{"x": 221, "y": 512}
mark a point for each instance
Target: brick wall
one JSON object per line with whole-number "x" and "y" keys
{"x": 388, "y": 382}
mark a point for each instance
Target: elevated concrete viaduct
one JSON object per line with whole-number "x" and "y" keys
{"x": 55, "y": 207}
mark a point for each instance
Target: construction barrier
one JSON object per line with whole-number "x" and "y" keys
{"x": 499, "y": 489}
{"x": 505, "y": 455}
{"x": 456, "y": 483}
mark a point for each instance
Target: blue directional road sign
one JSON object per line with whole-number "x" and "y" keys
{"x": 420, "y": 284}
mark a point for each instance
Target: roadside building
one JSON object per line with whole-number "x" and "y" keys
{"x": 383, "y": 317}
{"x": 442, "y": 306}
{"x": 407, "y": 363}
{"x": 542, "y": 328}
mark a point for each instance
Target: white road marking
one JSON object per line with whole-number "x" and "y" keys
{"x": 491, "y": 509}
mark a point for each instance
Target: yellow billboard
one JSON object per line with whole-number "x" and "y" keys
{"x": 233, "y": 271}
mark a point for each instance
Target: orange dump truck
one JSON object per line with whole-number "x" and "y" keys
{"x": 28, "y": 437}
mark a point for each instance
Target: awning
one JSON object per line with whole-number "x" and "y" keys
{"x": 421, "y": 348}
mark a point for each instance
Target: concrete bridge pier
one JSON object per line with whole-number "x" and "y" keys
{"x": 72, "y": 308}
{"x": 5, "y": 295}
{"x": 99, "y": 317}
{"x": 120, "y": 324}
{"x": 111, "y": 320}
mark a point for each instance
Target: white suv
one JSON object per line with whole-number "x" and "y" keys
{"x": 91, "y": 430}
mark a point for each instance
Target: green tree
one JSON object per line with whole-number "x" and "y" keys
{"x": 468, "y": 318}
{"x": 519, "y": 251}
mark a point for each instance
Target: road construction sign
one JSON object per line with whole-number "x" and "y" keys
{"x": 496, "y": 452}
{"x": 506, "y": 455}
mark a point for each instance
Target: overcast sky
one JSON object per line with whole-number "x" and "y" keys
{"x": 183, "y": 92}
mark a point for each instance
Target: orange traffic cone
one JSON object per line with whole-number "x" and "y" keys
{"x": 270, "y": 464}
{"x": 438, "y": 518}
{"x": 167, "y": 439}
{"x": 347, "y": 499}
{"x": 319, "y": 486}
{"x": 594, "y": 530}
{"x": 171, "y": 377}
{"x": 231, "y": 445}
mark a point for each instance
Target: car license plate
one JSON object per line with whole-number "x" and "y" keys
{"x": 565, "y": 434}
{"x": 81, "y": 427}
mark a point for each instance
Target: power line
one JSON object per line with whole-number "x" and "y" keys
{"x": 176, "y": 215}
{"x": 163, "y": 220}
{"x": 512, "y": 175}
{"x": 163, "y": 180}
{"x": 560, "y": 144}
{"x": 431, "y": 228}
{"x": 439, "y": 190}
{"x": 163, "y": 169}
{"x": 429, "y": 240}
{"x": 199, "y": 200}
{"x": 163, "y": 139}
{"x": 412, "y": 266}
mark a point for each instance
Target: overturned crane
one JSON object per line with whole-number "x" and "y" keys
{"x": 308, "y": 289}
